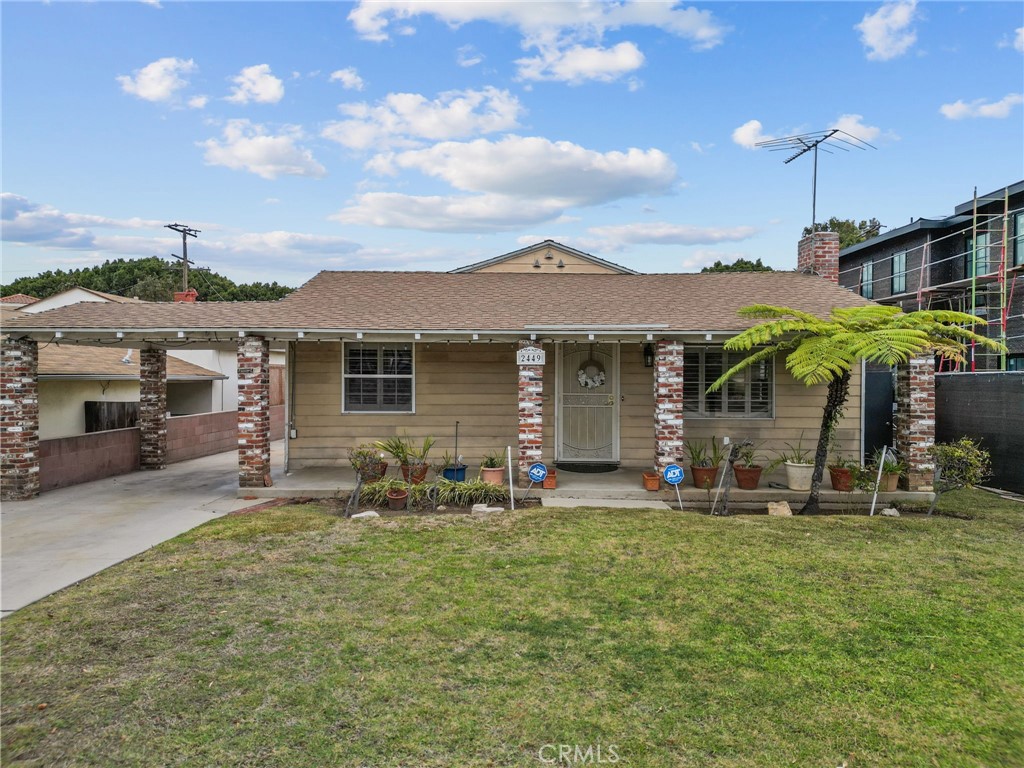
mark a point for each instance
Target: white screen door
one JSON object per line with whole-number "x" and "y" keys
{"x": 588, "y": 403}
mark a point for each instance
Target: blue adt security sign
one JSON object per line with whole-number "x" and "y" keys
{"x": 673, "y": 474}
{"x": 537, "y": 472}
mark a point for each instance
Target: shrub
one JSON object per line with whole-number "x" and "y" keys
{"x": 961, "y": 464}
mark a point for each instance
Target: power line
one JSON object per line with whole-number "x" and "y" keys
{"x": 186, "y": 232}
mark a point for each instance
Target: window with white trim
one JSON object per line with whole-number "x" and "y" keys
{"x": 377, "y": 377}
{"x": 899, "y": 273}
{"x": 746, "y": 395}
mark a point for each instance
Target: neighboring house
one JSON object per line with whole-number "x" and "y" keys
{"x": 971, "y": 261}
{"x": 547, "y": 257}
{"x": 17, "y": 300}
{"x": 90, "y": 389}
{"x": 605, "y": 368}
{"x": 223, "y": 390}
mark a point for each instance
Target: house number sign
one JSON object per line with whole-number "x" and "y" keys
{"x": 530, "y": 356}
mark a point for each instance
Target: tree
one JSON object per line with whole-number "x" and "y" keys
{"x": 740, "y": 265}
{"x": 850, "y": 232}
{"x": 825, "y": 351}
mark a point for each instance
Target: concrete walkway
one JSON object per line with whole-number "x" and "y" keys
{"x": 66, "y": 535}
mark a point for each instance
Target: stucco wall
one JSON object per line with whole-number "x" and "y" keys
{"x": 476, "y": 384}
{"x": 61, "y": 403}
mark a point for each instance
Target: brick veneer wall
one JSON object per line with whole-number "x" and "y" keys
{"x": 531, "y": 415}
{"x": 153, "y": 408}
{"x": 819, "y": 253}
{"x": 253, "y": 412}
{"x": 65, "y": 461}
{"x": 19, "y": 419}
{"x": 203, "y": 434}
{"x": 915, "y": 421}
{"x": 668, "y": 403}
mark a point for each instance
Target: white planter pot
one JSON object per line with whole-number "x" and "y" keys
{"x": 798, "y": 476}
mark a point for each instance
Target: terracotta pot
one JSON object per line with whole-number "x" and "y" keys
{"x": 551, "y": 481}
{"x": 493, "y": 475}
{"x": 798, "y": 476}
{"x": 397, "y": 499}
{"x": 652, "y": 481}
{"x": 747, "y": 478}
{"x": 842, "y": 478}
{"x": 703, "y": 477}
{"x": 890, "y": 482}
{"x": 373, "y": 472}
{"x": 414, "y": 476}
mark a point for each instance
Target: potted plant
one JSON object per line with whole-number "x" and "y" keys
{"x": 492, "y": 468}
{"x": 704, "y": 461}
{"x": 412, "y": 460}
{"x": 799, "y": 467}
{"x": 892, "y": 469}
{"x": 652, "y": 481}
{"x": 451, "y": 468}
{"x": 747, "y": 467}
{"x": 841, "y": 471}
{"x": 368, "y": 462}
{"x": 398, "y": 497}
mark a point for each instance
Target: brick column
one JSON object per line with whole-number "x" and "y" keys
{"x": 819, "y": 253}
{"x": 254, "y": 412}
{"x": 531, "y": 414}
{"x": 915, "y": 421}
{"x": 668, "y": 403}
{"x": 19, "y": 419}
{"x": 153, "y": 409}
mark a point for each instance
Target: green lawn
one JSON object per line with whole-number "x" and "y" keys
{"x": 291, "y": 637}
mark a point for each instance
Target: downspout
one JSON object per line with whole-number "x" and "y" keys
{"x": 863, "y": 384}
{"x": 289, "y": 404}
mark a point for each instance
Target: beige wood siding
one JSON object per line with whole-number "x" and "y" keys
{"x": 477, "y": 384}
{"x": 548, "y": 258}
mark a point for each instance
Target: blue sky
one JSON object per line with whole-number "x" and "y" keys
{"x": 398, "y": 135}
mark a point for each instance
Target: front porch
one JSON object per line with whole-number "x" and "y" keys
{"x": 622, "y": 484}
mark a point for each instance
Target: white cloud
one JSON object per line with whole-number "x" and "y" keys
{"x": 855, "y": 126}
{"x": 531, "y": 167}
{"x": 468, "y": 56}
{"x": 404, "y": 119}
{"x": 960, "y": 109}
{"x": 566, "y": 35}
{"x": 750, "y": 133}
{"x": 887, "y": 33}
{"x": 701, "y": 149}
{"x": 198, "y": 102}
{"x": 464, "y": 213}
{"x": 256, "y": 83}
{"x": 349, "y": 79}
{"x": 579, "y": 63}
{"x": 664, "y": 233}
{"x": 703, "y": 257}
{"x": 40, "y": 224}
{"x": 249, "y": 147}
{"x": 158, "y": 81}
{"x": 1018, "y": 40}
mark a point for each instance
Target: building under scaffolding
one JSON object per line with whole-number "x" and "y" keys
{"x": 972, "y": 261}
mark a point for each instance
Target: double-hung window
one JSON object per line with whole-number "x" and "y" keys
{"x": 378, "y": 377}
{"x": 1018, "y": 239}
{"x": 867, "y": 279}
{"x": 746, "y": 395}
{"x": 976, "y": 260}
{"x": 899, "y": 273}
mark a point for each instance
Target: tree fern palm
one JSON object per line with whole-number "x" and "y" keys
{"x": 825, "y": 350}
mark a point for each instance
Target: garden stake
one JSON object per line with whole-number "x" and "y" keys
{"x": 881, "y": 463}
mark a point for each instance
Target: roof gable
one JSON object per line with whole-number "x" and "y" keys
{"x": 547, "y": 257}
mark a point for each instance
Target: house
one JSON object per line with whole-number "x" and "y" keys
{"x": 547, "y": 257}
{"x": 601, "y": 368}
{"x": 971, "y": 261}
{"x": 17, "y": 300}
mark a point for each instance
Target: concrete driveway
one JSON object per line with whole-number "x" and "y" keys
{"x": 66, "y": 535}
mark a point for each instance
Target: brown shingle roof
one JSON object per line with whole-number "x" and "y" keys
{"x": 476, "y": 301}
{"x": 72, "y": 360}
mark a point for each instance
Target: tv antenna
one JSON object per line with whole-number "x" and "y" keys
{"x": 827, "y": 141}
{"x": 186, "y": 232}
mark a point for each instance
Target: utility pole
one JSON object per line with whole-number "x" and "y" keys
{"x": 186, "y": 232}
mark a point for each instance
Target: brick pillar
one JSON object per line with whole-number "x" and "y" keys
{"x": 819, "y": 253}
{"x": 668, "y": 403}
{"x": 153, "y": 409}
{"x": 19, "y": 419}
{"x": 254, "y": 412}
{"x": 915, "y": 421}
{"x": 531, "y": 415}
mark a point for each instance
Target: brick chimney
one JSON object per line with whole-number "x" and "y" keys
{"x": 818, "y": 253}
{"x": 187, "y": 296}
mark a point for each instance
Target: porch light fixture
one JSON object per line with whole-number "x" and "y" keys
{"x": 648, "y": 355}
{"x": 301, "y": 334}
{"x": 181, "y": 334}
